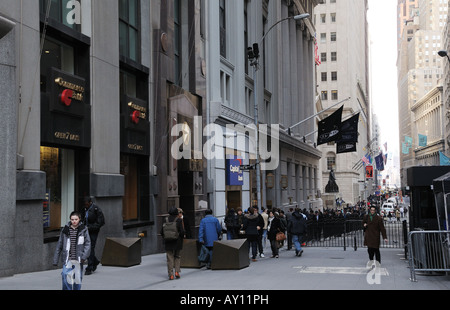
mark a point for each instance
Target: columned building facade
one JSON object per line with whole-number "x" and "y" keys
{"x": 284, "y": 85}
{"x": 344, "y": 74}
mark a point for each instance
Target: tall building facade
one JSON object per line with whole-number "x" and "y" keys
{"x": 82, "y": 96}
{"x": 284, "y": 90}
{"x": 420, "y": 70}
{"x": 116, "y": 100}
{"x": 344, "y": 73}
{"x": 446, "y": 86}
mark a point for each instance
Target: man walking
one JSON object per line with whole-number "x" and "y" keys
{"x": 297, "y": 228}
{"x": 94, "y": 220}
{"x": 209, "y": 231}
{"x": 373, "y": 227}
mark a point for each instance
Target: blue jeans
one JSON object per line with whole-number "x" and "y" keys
{"x": 230, "y": 234}
{"x": 297, "y": 241}
{"x": 74, "y": 283}
{"x": 253, "y": 246}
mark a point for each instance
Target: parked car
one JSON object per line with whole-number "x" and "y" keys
{"x": 393, "y": 200}
{"x": 386, "y": 208}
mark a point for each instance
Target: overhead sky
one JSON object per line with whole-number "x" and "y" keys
{"x": 382, "y": 18}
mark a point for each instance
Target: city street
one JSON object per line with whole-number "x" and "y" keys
{"x": 316, "y": 269}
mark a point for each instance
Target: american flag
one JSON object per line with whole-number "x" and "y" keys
{"x": 365, "y": 160}
{"x": 316, "y": 51}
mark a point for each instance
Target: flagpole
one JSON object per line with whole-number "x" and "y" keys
{"x": 311, "y": 133}
{"x": 312, "y": 116}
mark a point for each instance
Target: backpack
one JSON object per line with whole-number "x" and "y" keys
{"x": 170, "y": 231}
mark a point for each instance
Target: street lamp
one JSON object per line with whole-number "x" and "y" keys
{"x": 253, "y": 55}
{"x": 444, "y": 54}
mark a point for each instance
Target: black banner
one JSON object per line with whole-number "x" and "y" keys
{"x": 330, "y": 127}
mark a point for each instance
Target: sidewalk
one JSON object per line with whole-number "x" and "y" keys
{"x": 316, "y": 269}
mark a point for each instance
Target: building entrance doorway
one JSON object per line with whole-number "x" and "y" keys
{"x": 234, "y": 200}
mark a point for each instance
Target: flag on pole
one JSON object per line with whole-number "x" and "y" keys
{"x": 422, "y": 140}
{"x": 369, "y": 172}
{"x": 405, "y": 148}
{"x": 330, "y": 127}
{"x": 349, "y": 130}
{"x": 316, "y": 51}
{"x": 365, "y": 160}
{"x": 345, "y": 147}
{"x": 348, "y": 137}
{"x": 379, "y": 161}
{"x": 408, "y": 141}
{"x": 444, "y": 160}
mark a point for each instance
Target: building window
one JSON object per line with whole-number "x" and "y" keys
{"x": 333, "y": 36}
{"x": 333, "y": 56}
{"x": 324, "y": 95}
{"x": 331, "y": 162}
{"x": 177, "y": 41}
{"x": 334, "y": 76}
{"x": 323, "y": 18}
{"x": 323, "y": 57}
{"x": 247, "y": 44}
{"x": 334, "y": 95}
{"x": 222, "y": 30}
{"x": 323, "y": 38}
{"x": 333, "y": 17}
{"x": 57, "y": 55}
{"x": 324, "y": 76}
{"x": 129, "y": 169}
{"x": 129, "y": 29}
{"x": 59, "y": 167}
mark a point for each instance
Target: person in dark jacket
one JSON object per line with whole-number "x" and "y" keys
{"x": 231, "y": 222}
{"x": 240, "y": 223}
{"x": 274, "y": 226}
{"x": 373, "y": 227}
{"x": 174, "y": 247}
{"x": 73, "y": 248}
{"x": 251, "y": 227}
{"x": 94, "y": 220}
{"x": 297, "y": 228}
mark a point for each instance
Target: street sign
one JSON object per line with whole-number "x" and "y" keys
{"x": 247, "y": 167}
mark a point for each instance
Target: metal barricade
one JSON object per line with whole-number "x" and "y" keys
{"x": 428, "y": 252}
{"x": 350, "y": 233}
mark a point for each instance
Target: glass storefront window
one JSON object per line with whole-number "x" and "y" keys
{"x": 129, "y": 169}
{"x": 59, "y": 167}
{"x": 56, "y": 55}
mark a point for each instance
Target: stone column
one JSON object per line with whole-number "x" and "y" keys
{"x": 8, "y": 149}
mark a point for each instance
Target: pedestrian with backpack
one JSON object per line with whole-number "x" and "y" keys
{"x": 172, "y": 232}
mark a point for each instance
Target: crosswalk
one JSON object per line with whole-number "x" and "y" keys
{"x": 340, "y": 270}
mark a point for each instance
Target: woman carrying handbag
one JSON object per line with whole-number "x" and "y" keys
{"x": 274, "y": 228}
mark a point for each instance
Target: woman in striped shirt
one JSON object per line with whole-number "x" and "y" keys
{"x": 74, "y": 246}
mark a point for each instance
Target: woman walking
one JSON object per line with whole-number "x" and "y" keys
{"x": 252, "y": 231}
{"x": 73, "y": 247}
{"x": 273, "y": 228}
